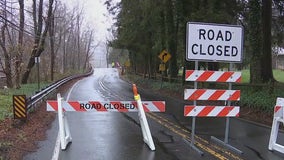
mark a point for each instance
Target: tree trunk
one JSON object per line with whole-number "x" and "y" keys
{"x": 171, "y": 31}
{"x": 7, "y": 66}
{"x": 19, "y": 56}
{"x": 255, "y": 40}
{"x": 52, "y": 53}
{"x": 39, "y": 37}
{"x": 267, "y": 74}
{"x": 7, "y": 57}
{"x": 78, "y": 42}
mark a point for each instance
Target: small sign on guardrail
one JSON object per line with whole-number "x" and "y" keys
{"x": 20, "y": 107}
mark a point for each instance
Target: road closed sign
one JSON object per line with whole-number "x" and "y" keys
{"x": 214, "y": 42}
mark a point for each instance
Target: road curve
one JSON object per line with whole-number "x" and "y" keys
{"x": 114, "y": 135}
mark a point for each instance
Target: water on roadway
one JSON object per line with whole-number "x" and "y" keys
{"x": 113, "y": 135}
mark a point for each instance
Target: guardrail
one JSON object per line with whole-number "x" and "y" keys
{"x": 44, "y": 92}
{"x": 31, "y": 101}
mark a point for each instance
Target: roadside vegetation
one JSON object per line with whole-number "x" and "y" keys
{"x": 30, "y": 89}
{"x": 261, "y": 97}
{"x": 258, "y": 97}
{"x": 6, "y": 98}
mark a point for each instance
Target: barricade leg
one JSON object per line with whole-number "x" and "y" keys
{"x": 64, "y": 132}
{"x": 226, "y": 139}
{"x": 192, "y": 143}
{"x": 67, "y": 131}
{"x": 147, "y": 137}
{"x": 274, "y": 134}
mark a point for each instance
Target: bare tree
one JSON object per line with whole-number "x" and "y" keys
{"x": 52, "y": 51}
{"x": 40, "y": 36}
{"x": 3, "y": 44}
{"x": 19, "y": 55}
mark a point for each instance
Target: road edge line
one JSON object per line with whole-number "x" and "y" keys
{"x": 56, "y": 150}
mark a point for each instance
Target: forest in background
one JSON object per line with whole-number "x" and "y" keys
{"x": 147, "y": 27}
{"x": 60, "y": 37}
{"x": 47, "y": 29}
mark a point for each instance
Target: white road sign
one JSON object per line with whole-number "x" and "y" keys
{"x": 214, "y": 42}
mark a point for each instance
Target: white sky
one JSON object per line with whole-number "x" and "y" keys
{"x": 96, "y": 15}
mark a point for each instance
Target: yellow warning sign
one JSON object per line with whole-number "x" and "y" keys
{"x": 127, "y": 63}
{"x": 162, "y": 67}
{"x": 165, "y": 56}
{"x": 19, "y": 105}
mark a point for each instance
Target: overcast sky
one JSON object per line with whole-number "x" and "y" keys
{"x": 96, "y": 15}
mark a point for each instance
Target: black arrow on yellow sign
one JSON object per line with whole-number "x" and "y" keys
{"x": 165, "y": 56}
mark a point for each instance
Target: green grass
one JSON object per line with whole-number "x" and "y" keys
{"x": 245, "y": 76}
{"x": 6, "y": 98}
{"x": 278, "y": 75}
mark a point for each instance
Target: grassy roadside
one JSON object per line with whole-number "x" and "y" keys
{"x": 6, "y": 95}
{"x": 278, "y": 75}
{"x": 261, "y": 97}
{"x": 6, "y": 101}
{"x": 18, "y": 138}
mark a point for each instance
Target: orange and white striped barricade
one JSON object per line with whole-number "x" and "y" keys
{"x": 277, "y": 119}
{"x": 105, "y": 106}
{"x": 64, "y": 131}
{"x": 211, "y": 111}
{"x": 212, "y": 95}
{"x": 213, "y": 76}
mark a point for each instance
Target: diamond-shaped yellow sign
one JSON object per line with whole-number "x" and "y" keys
{"x": 165, "y": 56}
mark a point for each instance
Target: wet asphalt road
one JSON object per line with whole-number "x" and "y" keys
{"x": 117, "y": 136}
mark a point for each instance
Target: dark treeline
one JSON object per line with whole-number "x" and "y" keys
{"x": 146, "y": 27}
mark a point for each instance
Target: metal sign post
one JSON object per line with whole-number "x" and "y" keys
{"x": 37, "y": 61}
{"x": 193, "y": 120}
{"x": 226, "y": 139}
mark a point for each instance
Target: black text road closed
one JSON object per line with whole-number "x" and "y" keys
{"x": 214, "y": 42}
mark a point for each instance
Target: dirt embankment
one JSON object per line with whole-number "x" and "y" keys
{"x": 18, "y": 138}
